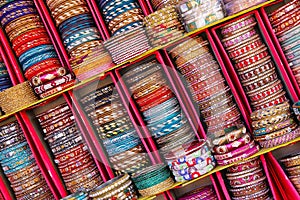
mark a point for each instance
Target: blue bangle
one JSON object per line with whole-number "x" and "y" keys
{"x": 167, "y": 120}
{"x": 38, "y": 59}
{"x": 30, "y": 162}
{"x": 73, "y": 29}
{"x": 24, "y": 153}
{"x": 119, "y": 149}
{"x": 169, "y": 129}
{"x": 162, "y": 114}
{"x": 35, "y": 51}
{"x": 8, "y": 150}
{"x": 122, "y": 136}
{"x": 25, "y": 11}
{"x": 80, "y": 34}
{"x": 15, "y": 163}
{"x": 76, "y": 20}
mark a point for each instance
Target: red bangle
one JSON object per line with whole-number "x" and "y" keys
{"x": 152, "y": 96}
{"x": 41, "y": 66}
{"x": 283, "y": 10}
{"x": 158, "y": 101}
{"x": 240, "y": 51}
{"x": 225, "y": 116}
{"x": 288, "y": 23}
{"x": 31, "y": 44}
{"x": 248, "y": 74}
{"x": 276, "y": 101}
{"x": 28, "y": 36}
{"x": 251, "y": 60}
{"x": 272, "y": 89}
{"x": 260, "y": 82}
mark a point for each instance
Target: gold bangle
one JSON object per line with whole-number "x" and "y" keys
{"x": 168, "y": 183}
{"x": 271, "y": 120}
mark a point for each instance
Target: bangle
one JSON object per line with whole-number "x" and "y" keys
{"x": 291, "y": 160}
{"x": 242, "y": 156}
{"x": 42, "y": 79}
{"x": 280, "y": 140}
{"x": 251, "y": 60}
{"x": 270, "y": 111}
{"x": 271, "y": 120}
{"x": 230, "y": 137}
{"x": 238, "y": 38}
{"x": 222, "y": 149}
{"x": 243, "y": 166}
{"x": 195, "y": 173}
{"x": 235, "y": 152}
{"x": 270, "y": 90}
{"x": 275, "y": 134}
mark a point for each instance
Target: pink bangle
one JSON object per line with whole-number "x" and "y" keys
{"x": 235, "y": 152}
{"x": 280, "y": 140}
{"x": 232, "y": 176}
{"x": 249, "y": 164}
{"x": 228, "y": 43}
{"x": 246, "y": 154}
{"x": 39, "y": 80}
{"x": 245, "y": 139}
{"x": 240, "y": 180}
{"x": 237, "y": 26}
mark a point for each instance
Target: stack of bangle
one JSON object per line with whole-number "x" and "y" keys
{"x": 206, "y": 84}
{"x": 120, "y": 187}
{"x": 10, "y": 100}
{"x": 153, "y": 180}
{"x": 253, "y": 63}
{"x": 5, "y": 81}
{"x": 121, "y": 15}
{"x": 292, "y": 167}
{"x": 234, "y": 146}
{"x": 80, "y": 36}
{"x": 286, "y": 25}
{"x": 157, "y": 4}
{"x": 19, "y": 165}
{"x": 190, "y": 161}
{"x": 163, "y": 26}
{"x": 120, "y": 139}
{"x": 96, "y": 60}
{"x": 235, "y": 6}
{"x": 76, "y": 196}
{"x": 196, "y": 14}
{"x": 70, "y": 152}
{"x": 206, "y": 192}
{"x": 274, "y": 125}
{"x": 127, "y": 45}
{"x": 247, "y": 180}
{"x": 160, "y": 108}
{"x": 33, "y": 47}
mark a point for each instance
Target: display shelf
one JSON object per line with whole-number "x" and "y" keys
{"x": 220, "y": 168}
{"x": 138, "y": 57}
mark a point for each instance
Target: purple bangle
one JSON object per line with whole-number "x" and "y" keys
{"x": 280, "y": 140}
{"x": 235, "y": 152}
{"x": 222, "y": 149}
{"x": 246, "y": 154}
{"x": 240, "y": 38}
{"x": 202, "y": 192}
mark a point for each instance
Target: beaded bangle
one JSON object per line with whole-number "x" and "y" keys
{"x": 229, "y": 137}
